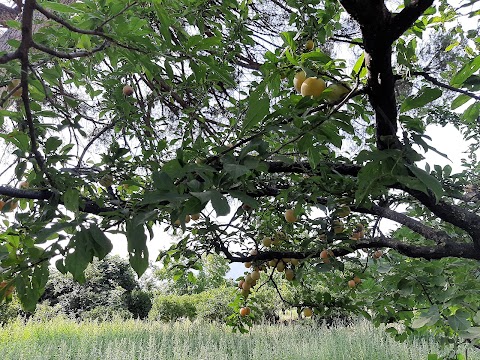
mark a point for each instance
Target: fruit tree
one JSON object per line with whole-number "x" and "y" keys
{"x": 135, "y": 118}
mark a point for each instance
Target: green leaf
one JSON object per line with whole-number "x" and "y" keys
{"x": 235, "y": 170}
{"x": 459, "y": 321}
{"x": 244, "y": 198}
{"x": 137, "y": 246}
{"x": 30, "y": 285}
{"x": 428, "y": 318}
{"x": 102, "y": 246}
{"x": 220, "y": 204}
{"x": 472, "y": 113}
{"x": 472, "y": 333}
{"x": 162, "y": 181}
{"x": 424, "y": 96}
{"x": 430, "y": 182}
{"x": 359, "y": 66}
{"x": 59, "y": 7}
{"x": 71, "y": 199}
{"x": 258, "y": 108}
{"x": 466, "y": 71}
{"x": 459, "y": 101}
{"x": 52, "y": 144}
{"x": 77, "y": 262}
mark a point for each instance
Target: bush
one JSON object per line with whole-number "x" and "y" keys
{"x": 173, "y": 307}
{"x": 138, "y": 302}
{"x": 9, "y": 310}
{"x": 213, "y": 304}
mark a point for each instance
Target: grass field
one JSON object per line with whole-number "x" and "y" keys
{"x": 119, "y": 340}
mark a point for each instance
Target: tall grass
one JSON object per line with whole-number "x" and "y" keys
{"x": 119, "y": 340}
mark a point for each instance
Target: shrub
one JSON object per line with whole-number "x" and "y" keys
{"x": 173, "y": 307}
{"x": 9, "y": 310}
{"x": 138, "y": 302}
{"x": 213, "y": 304}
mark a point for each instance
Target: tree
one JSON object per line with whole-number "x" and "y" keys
{"x": 109, "y": 283}
{"x": 177, "y": 277}
{"x": 210, "y": 123}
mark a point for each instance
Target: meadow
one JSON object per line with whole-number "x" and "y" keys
{"x": 113, "y": 340}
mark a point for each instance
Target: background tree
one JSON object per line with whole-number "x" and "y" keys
{"x": 128, "y": 114}
{"x": 110, "y": 286}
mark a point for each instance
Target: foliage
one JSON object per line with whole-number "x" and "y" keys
{"x": 173, "y": 307}
{"x": 129, "y": 118}
{"x": 209, "y": 273}
{"x": 109, "y": 283}
{"x": 9, "y": 311}
{"x": 138, "y": 303}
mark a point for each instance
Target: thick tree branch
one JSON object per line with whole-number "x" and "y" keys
{"x": 406, "y": 18}
{"x": 440, "y": 251}
{"x": 88, "y": 206}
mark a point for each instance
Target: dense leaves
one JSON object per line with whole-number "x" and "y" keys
{"x": 126, "y": 119}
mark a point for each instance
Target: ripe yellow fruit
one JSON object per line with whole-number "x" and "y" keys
{"x": 290, "y": 216}
{"x": 187, "y": 219}
{"x": 246, "y": 286}
{"x": 294, "y": 262}
{"x": 177, "y": 222}
{"x": 351, "y": 284}
{"x": 298, "y": 80}
{"x": 245, "y": 311}
{"x": 272, "y": 263}
{"x": 357, "y": 280}
{"x": 280, "y": 266}
{"x": 267, "y": 242}
{"x": 248, "y": 264}
{"x": 312, "y": 87}
{"x": 254, "y": 252}
{"x": 307, "y": 312}
{"x": 377, "y": 254}
{"x": 240, "y": 283}
{"x": 289, "y": 274}
{"x": 309, "y": 44}
{"x": 255, "y": 275}
{"x": 195, "y": 217}
{"x": 12, "y": 85}
{"x": 127, "y": 90}
{"x": 338, "y": 92}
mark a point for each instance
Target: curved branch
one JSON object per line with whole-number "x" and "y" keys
{"x": 88, "y": 206}
{"x": 402, "y": 21}
{"x": 434, "y": 81}
{"x": 440, "y": 251}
